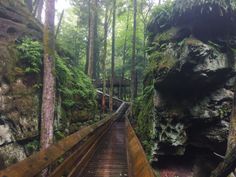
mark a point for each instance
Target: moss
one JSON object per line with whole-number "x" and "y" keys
{"x": 75, "y": 88}
{"x": 166, "y": 62}
{"x": 166, "y": 36}
{"x": 145, "y": 121}
{"x": 160, "y": 61}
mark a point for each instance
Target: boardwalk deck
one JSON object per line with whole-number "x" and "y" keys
{"x": 110, "y": 159}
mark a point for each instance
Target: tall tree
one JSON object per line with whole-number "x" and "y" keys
{"x": 59, "y": 24}
{"x": 124, "y": 53}
{"x": 96, "y": 43}
{"x": 88, "y": 38}
{"x": 92, "y": 29}
{"x": 48, "y": 99}
{"x": 133, "y": 62}
{"x": 145, "y": 12}
{"x": 39, "y": 9}
{"x": 104, "y": 59}
{"x": 112, "y": 57}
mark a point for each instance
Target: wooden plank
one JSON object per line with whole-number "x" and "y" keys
{"x": 67, "y": 165}
{"x": 79, "y": 167}
{"x": 110, "y": 158}
{"x": 137, "y": 161}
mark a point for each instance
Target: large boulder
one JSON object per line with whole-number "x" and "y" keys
{"x": 194, "y": 76}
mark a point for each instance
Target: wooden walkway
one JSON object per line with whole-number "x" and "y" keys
{"x": 108, "y": 148}
{"x": 110, "y": 159}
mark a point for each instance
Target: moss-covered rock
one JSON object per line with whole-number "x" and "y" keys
{"x": 192, "y": 60}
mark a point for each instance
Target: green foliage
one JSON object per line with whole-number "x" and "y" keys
{"x": 59, "y": 135}
{"x": 182, "y": 6}
{"x": 145, "y": 119}
{"x": 162, "y": 16}
{"x": 30, "y": 55}
{"x": 32, "y": 146}
{"x": 75, "y": 88}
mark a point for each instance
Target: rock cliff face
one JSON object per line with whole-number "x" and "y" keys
{"x": 20, "y": 92}
{"x": 19, "y": 102}
{"x": 194, "y": 75}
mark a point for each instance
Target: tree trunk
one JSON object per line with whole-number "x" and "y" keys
{"x": 88, "y": 40}
{"x": 144, "y": 43}
{"x": 124, "y": 55}
{"x": 48, "y": 100}
{"x": 133, "y": 62}
{"x": 59, "y": 24}
{"x": 104, "y": 61}
{"x": 91, "y": 38}
{"x": 112, "y": 57}
{"x": 96, "y": 43}
{"x": 39, "y": 10}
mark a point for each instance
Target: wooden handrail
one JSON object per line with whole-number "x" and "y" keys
{"x": 138, "y": 165}
{"x": 33, "y": 165}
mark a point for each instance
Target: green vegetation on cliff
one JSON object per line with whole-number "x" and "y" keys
{"x": 74, "y": 88}
{"x": 145, "y": 120}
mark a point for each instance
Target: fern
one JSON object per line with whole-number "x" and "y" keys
{"x": 30, "y": 55}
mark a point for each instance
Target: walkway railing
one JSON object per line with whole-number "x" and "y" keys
{"x": 138, "y": 164}
{"x": 70, "y": 156}
{"x": 75, "y": 147}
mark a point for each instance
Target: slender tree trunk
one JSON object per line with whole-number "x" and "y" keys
{"x": 88, "y": 41}
{"x": 39, "y": 10}
{"x": 91, "y": 38}
{"x": 124, "y": 55}
{"x": 59, "y": 24}
{"x": 133, "y": 62}
{"x": 144, "y": 43}
{"x": 48, "y": 100}
{"x": 96, "y": 43}
{"x": 104, "y": 61}
{"x": 112, "y": 57}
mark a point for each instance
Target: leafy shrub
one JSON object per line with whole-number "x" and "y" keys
{"x": 31, "y": 55}
{"x": 161, "y": 17}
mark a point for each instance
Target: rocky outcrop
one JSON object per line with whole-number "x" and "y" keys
{"x": 193, "y": 77}
{"x": 20, "y": 90}
{"x": 17, "y": 21}
{"x": 19, "y": 102}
